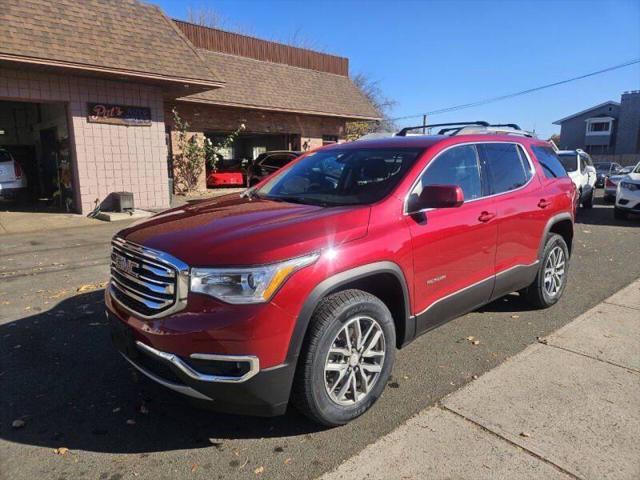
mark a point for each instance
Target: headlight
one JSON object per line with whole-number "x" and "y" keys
{"x": 246, "y": 285}
{"x": 630, "y": 186}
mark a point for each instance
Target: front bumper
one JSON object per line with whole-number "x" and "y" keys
{"x": 628, "y": 200}
{"x": 249, "y": 392}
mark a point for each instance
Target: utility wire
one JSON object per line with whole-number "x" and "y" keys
{"x": 516, "y": 94}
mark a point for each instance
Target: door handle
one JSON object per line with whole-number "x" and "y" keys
{"x": 486, "y": 216}
{"x": 544, "y": 203}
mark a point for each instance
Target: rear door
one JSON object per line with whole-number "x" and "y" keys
{"x": 453, "y": 248}
{"x": 520, "y": 213}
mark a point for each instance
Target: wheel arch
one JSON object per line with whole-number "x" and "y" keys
{"x": 385, "y": 280}
{"x": 562, "y": 224}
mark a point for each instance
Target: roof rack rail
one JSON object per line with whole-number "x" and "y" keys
{"x": 495, "y": 128}
{"x": 403, "y": 132}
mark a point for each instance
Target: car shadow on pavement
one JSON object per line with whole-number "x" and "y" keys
{"x": 60, "y": 375}
{"x": 602, "y": 214}
{"x": 509, "y": 303}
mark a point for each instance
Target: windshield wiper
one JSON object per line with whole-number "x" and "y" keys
{"x": 303, "y": 201}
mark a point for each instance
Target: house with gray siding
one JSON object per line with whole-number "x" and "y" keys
{"x": 610, "y": 128}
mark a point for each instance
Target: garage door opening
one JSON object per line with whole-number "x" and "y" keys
{"x": 247, "y": 146}
{"x": 36, "y": 171}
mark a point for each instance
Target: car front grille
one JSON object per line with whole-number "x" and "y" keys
{"x": 147, "y": 282}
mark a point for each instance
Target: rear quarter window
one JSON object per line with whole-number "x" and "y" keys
{"x": 549, "y": 161}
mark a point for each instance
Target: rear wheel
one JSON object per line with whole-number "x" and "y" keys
{"x": 551, "y": 280}
{"x": 346, "y": 359}
{"x": 588, "y": 203}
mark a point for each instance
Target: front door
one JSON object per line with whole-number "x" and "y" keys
{"x": 454, "y": 248}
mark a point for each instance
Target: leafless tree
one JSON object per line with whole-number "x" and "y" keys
{"x": 371, "y": 90}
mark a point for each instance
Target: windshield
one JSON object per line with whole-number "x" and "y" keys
{"x": 569, "y": 161}
{"x": 603, "y": 167}
{"x": 637, "y": 169}
{"x": 337, "y": 176}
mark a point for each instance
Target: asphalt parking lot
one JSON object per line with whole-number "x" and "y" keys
{"x": 60, "y": 376}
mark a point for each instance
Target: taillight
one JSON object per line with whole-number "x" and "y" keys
{"x": 17, "y": 169}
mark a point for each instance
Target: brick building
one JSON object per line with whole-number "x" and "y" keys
{"x": 87, "y": 89}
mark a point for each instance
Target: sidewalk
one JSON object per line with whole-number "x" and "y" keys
{"x": 565, "y": 408}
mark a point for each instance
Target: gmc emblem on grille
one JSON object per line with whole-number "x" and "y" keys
{"x": 124, "y": 264}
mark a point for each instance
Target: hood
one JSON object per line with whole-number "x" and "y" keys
{"x": 233, "y": 231}
{"x": 632, "y": 177}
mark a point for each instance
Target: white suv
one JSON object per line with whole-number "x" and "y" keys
{"x": 628, "y": 194}
{"x": 13, "y": 181}
{"x": 580, "y": 168}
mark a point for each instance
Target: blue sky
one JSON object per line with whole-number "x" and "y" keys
{"x": 434, "y": 54}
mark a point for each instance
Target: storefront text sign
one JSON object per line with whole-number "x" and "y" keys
{"x": 119, "y": 114}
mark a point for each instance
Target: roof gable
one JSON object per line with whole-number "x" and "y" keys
{"x": 125, "y": 37}
{"x": 604, "y": 104}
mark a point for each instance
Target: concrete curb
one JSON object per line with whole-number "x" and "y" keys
{"x": 567, "y": 407}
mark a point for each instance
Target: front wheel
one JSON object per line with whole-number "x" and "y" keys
{"x": 551, "y": 280}
{"x": 346, "y": 358}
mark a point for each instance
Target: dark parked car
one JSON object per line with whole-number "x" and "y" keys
{"x": 604, "y": 170}
{"x": 267, "y": 163}
{"x": 302, "y": 289}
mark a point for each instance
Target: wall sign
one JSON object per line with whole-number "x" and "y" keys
{"x": 119, "y": 114}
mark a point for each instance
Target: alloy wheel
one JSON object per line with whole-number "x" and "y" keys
{"x": 354, "y": 360}
{"x": 554, "y": 270}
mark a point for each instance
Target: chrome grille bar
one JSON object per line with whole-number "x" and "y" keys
{"x": 147, "y": 282}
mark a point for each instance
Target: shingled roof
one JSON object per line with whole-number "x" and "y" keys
{"x": 123, "y": 37}
{"x": 251, "y": 83}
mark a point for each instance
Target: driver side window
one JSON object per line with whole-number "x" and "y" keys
{"x": 457, "y": 166}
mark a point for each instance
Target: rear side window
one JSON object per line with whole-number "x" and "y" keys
{"x": 4, "y": 156}
{"x": 456, "y": 166}
{"x": 507, "y": 167}
{"x": 548, "y": 159}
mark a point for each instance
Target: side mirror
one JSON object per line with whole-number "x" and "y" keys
{"x": 436, "y": 196}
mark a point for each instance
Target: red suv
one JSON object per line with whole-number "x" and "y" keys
{"x": 303, "y": 287}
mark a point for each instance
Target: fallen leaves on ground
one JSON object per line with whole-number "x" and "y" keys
{"x": 525, "y": 434}
{"x": 61, "y": 451}
{"x": 287, "y": 461}
{"x": 18, "y": 423}
{"x": 90, "y": 286}
{"x": 258, "y": 470}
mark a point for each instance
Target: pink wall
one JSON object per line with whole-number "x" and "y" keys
{"x": 108, "y": 158}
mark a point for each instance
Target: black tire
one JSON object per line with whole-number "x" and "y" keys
{"x": 619, "y": 214}
{"x": 588, "y": 203}
{"x": 310, "y": 395}
{"x": 536, "y": 293}
{"x": 609, "y": 198}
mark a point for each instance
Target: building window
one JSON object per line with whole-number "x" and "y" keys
{"x": 599, "y": 126}
{"x": 329, "y": 139}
